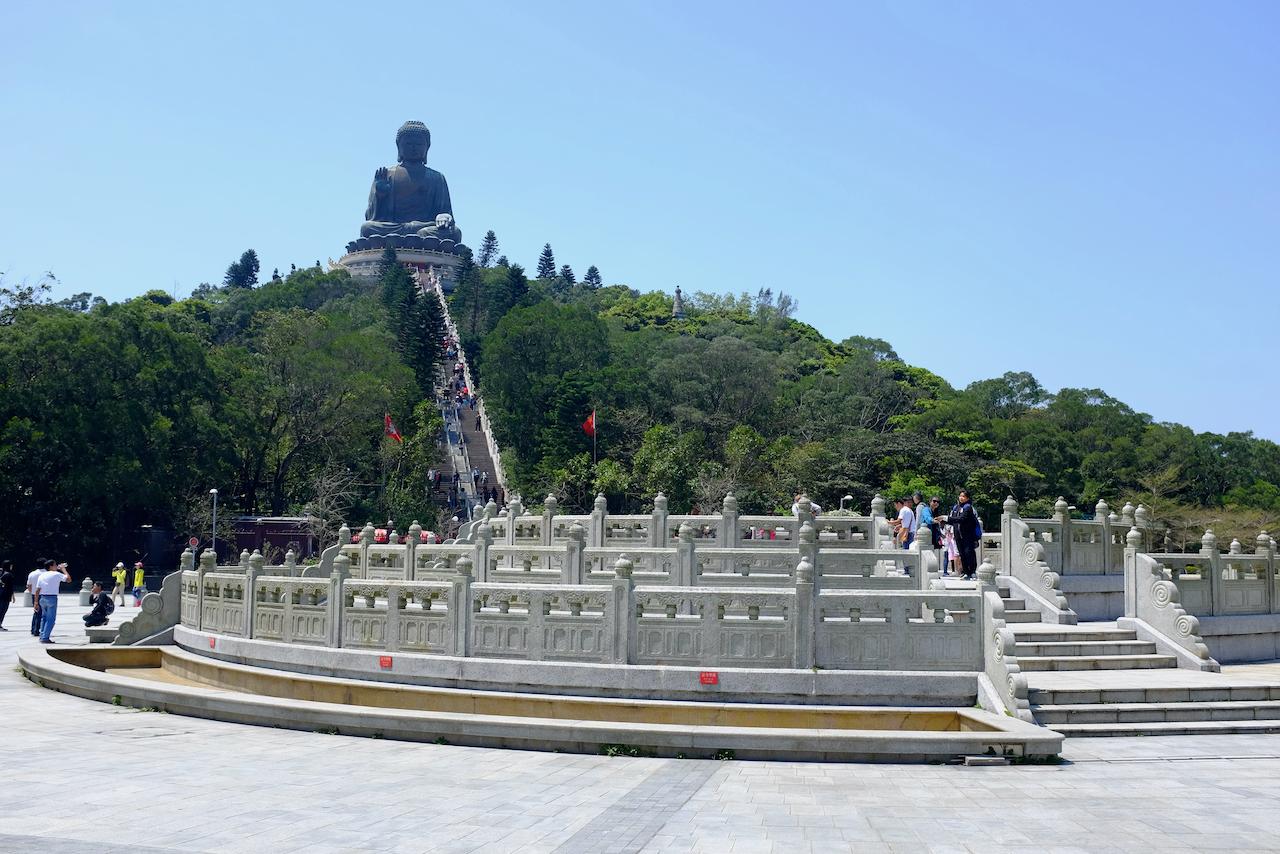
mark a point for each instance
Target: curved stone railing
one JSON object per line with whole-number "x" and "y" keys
{"x": 1025, "y": 558}
{"x": 1152, "y": 608}
{"x": 1000, "y": 666}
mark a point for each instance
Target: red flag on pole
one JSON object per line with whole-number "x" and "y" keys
{"x": 390, "y": 428}
{"x": 589, "y": 426}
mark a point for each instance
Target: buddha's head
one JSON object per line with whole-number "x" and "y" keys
{"x": 412, "y": 142}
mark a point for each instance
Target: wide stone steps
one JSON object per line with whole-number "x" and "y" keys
{"x": 1168, "y": 728}
{"x": 1114, "y": 713}
{"x": 1018, "y": 615}
{"x": 1255, "y": 694}
{"x": 1015, "y": 604}
{"x": 1031, "y": 663}
{"x": 1083, "y": 648}
{"x": 1074, "y": 635}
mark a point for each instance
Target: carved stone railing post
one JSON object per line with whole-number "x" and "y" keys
{"x": 1062, "y": 513}
{"x": 1109, "y": 564}
{"x": 624, "y": 607}
{"x": 730, "y": 533}
{"x": 208, "y": 563}
{"x": 244, "y": 561}
{"x": 805, "y": 506}
{"x": 256, "y": 564}
{"x": 412, "y": 542}
{"x": 807, "y": 546}
{"x": 599, "y": 517}
{"x": 1152, "y": 606}
{"x": 804, "y": 620}
{"x": 686, "y": 559}
{"x": 290, "y": 567}
{"x": 461, "y": 607}
{"x": 1213, "y": 566}
{"x": 573, "y": 571}
{"x": 366, "y": 542}
{"x": 1264, "y": 545}
{"x": 877, "y": 520}
{"x": 1126, "y": 516}
{"x": 515, "y": 509}
{"x": 1008, "y": 549}
{"x": 922, "y": 547}
{"x": 549, "y": 508}
{"x": 658, "y": 525}
{"x": 337, "y": 597}
{"x": 1142, "y": 521}
{"x": 484, "y": 539}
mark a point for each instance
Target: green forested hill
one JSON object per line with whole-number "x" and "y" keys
{"x": 739, "y": 396}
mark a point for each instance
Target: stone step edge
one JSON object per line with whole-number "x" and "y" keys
{"x": 1167, "y": 728}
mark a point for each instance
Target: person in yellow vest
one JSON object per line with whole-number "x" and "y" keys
{"x": 118, "y": 575}
{"x": 139, "y": 584}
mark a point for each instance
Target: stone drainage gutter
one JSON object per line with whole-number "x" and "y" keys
{"x": 512, "y": 720}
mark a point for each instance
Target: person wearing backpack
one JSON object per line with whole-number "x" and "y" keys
{"x": 967, "y": 529}
{"x": 103, "y": 607}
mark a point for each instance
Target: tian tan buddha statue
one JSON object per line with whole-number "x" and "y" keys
{"x": 410, "y": 199}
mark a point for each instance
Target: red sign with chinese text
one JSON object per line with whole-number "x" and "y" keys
{"x": 384, "y": 661}
{"x": 709, "y": 677}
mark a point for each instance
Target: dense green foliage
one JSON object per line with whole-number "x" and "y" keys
{"x": 739, "y": 396}
{"x": 115, "y": 416}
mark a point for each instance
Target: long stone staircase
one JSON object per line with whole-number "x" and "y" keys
{"x": 1095, "y": 679}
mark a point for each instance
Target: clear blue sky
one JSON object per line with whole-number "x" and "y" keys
{"x": 1089, "y": 191}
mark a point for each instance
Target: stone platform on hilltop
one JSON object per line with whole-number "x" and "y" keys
{"x": 364, "y": 263}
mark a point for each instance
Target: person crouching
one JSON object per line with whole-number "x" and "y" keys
{"x": 103, "y": 607}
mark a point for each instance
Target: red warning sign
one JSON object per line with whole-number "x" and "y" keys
{"x": 709, "y": 677}
{"x": 384, "y": 661}
{"x": 213, "y": 642}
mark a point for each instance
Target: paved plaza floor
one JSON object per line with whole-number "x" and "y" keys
{"x": 82, "y": 776}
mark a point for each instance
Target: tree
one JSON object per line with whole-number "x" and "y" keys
{"x": 243, "y": 273}
{"x": 566, "y": 273}
{"x": 488, "y": 249}
{"x": 592, "y": 277}
{"x": 14, "y": 300}
{"x": 502, "y": 261}
{"x": 546, "y": 263}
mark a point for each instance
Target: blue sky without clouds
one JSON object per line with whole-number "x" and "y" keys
{"x": 1088, "y": 191}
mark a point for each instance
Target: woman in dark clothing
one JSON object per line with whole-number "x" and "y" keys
{"x": 963, "y": 520}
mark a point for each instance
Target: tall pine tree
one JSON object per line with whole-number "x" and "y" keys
{"x": 243, "y": 273}
{"x": 547, "y": 263}
{"x": 592, "y": 278}
{"x": 488, "y": 249}
{"x": 566, "y": 273}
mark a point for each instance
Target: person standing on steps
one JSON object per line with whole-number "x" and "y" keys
{"x": 6, "y": 591}
{"x": 47, "y": 585}
{"x": 967, "y": 530}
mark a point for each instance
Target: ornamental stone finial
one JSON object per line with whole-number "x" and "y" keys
{"x": 660, "y": 503}
{"x": 550, "y": 504}
{"x": 188, "y": 560}
{"x": 291, "y": 561}
{"x": 1101, "y": 510}
{"x": 464, "y": 566}
{"x": 1113, "y": 518}
{"x": 1126, "y": 514}
{"x": 1235, "y": 548}
{"x": 366, "y": 534}
{"x": 342, "y": 565}
{"x": 344, "y": 534}
{"x": 1061, "y": 507}
{"x": 484, "y": 532}
{"x": 877, "y": 505}
{"x": 804, "y": 571}
{"x": 208, "y": 561}
{"x": 515, "y": 507}
{"x": 1142, "y": 516}
{"x": 600, "y": 503}
{"x": 415, "y": 532}
{"x": 1209, "y": 541}
{"x": 623, "y": 567}
{"x": 730, "y": 503}
{"x": 578, "y": 532}
{"x": 1011, "y": 506}
{"x": 808, "y": 534}
{"x": 685, "y": 532}
{"x": 256, "y": 561}
{"x": 491, "y": 509}
{"x": 1134, "y": 538}
{"x": 987, "y": 574}
{"x": 1263, "y": 541}
{"x": 244, "y": 559}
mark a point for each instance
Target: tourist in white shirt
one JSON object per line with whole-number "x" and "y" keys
{"x": 906, "y": 522}
{"x": 47, "y": 586}
{"x": 32, "y": 578}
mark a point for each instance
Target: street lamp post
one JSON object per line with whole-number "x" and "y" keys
{"x": 843, "y": 500}
{"x": 214, "y": 538}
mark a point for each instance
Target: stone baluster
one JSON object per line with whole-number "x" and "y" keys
{"x": 573, "y": 571}
{"x": 515, "y": 509}
{"x": 922, "y": 548}
{"x": 1212, "y": 564}
{"x": 805, "y": 507}
{"x": 549, "y": 508}
{"x": 1100, "y": 511}
{"x": 686, "y": 559}
{"x": 1126, "y": 515}
{"x": 461, "y": 607}
{"x": 1062, "y": 514}
{"x": 337, "y": 598}
{"x": 807, "y": 547}
{"x": 599, "y": 518}
{"x": 208, "y": 563}
{"x": 366, "y": 542}
{"x": 1133, "y": 545}
{"x": 483, "y": 540}
{"x": 804, "y": 619}
{"x": 623, "y": 610}
{"x": 1008, "y": 550}
{"x": 244, "y": 561}
{"x": 256, "y": 565}
{"x": 290, "y": 566}
{"x": 412, "y": 541}
{"x": 730, "y": 531}
{"x": 658, "y": 524}
{"x": 1264, "y": 546}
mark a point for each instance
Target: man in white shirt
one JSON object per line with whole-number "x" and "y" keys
{"x": 47, "y": 586}
{"x": 906, "y": 522}
{"x": 32, "y": 578}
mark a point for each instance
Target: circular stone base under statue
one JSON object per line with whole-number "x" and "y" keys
{"x": 364, "y": 264}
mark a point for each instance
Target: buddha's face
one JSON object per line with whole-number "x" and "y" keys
{"x": 412, "y": 147}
